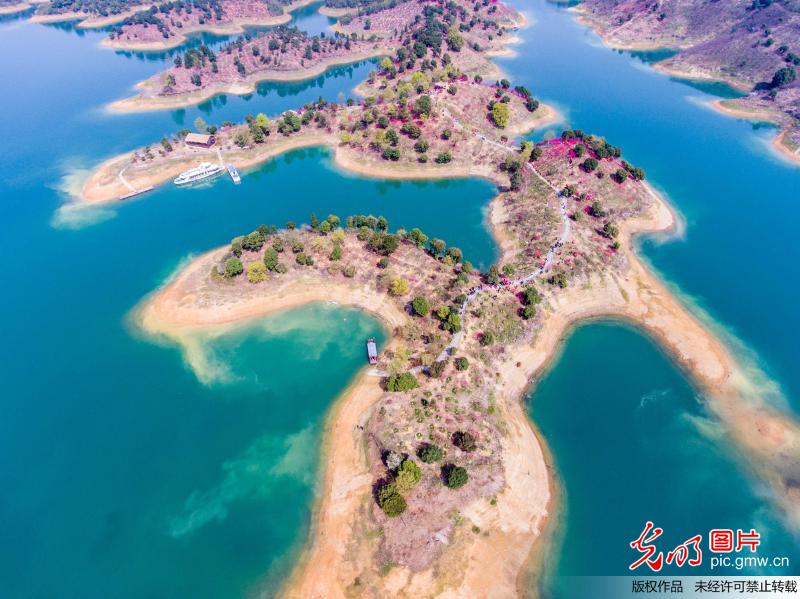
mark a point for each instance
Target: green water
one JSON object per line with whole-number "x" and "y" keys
{"x": 124, "y": 475}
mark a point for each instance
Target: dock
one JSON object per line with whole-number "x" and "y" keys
{"x": 135, "y": 193}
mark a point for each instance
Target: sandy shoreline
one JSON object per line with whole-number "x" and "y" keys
{"x": 239, "y": 88}
{"x": 104, "y": 183}
{"x": 235, "y": 27}
{"x": 758, "y": 115}
{"x": 13, "y": 9}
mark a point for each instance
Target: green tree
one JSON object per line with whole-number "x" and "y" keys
{"x": 455, "y": 477}
{"x": 408, "y": 475}
{"x": 418, "y": 237}
{"x": 461, "y": 363}
{"x": 500, "y": 114}
{"x": 423, "y": 105}
{"x": 270, "y": 258}
{"x": 233, "y": 267}
{"x": 783, "y": 77}
{"x": 405, "y": 381}
{"x": 530, "y": 295}
{"x": 390, "y": 501}
{"x": 336, "y": 253}
{"x": 430, "y": 453}
{"x": 421, "y": 306}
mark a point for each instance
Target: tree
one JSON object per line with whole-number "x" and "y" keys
{"x": 500, "y": 114}
{"x": 455, "y": 253}
{"x": 392, "y": 154}
{"x": 783, "y": 77}
{"x": 383, "y": 243}
{"x": 336, "y": 253}
{"x": 437, "y": 247}
{"x": 391, "y": 136}
{"x": 444, "y": 157}
{"x": 262, "y": 122}
{"x": 430, "y": 453}
{"x": 589, "y": 165}
{"x": 256, "y": 272}
{"x": 487, "y": 338}
{"x": 421, "y": 306}
{"x": 421, "y": 146}
{"x": 398, "y": 286}
{"x": 233, "y": 267}
{"x": 454, "y": 40}
{"x": 270, "y": 259}
{"x": 461, "y": 363}
{"x": 493, "y": 276}
{"x": 408, "y": 475}
{"x": 390, "y": 501}
{"x": 423, "y": 105}
{"x": 401, "y": 382}
{"x": 455, "y": 477}
{"x": 530, "y": 296}
{"x": 596, "y": 209}
{"x": 418, "y": 237}
{"x": 465, "y": 441}
{"x": 253, "y": 241}
{"x": 528, "y": 312}
{"x": 610, "y": 230}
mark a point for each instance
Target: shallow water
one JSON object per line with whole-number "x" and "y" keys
{"x": 125, "y": 476}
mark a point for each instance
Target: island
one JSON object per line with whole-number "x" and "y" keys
{"x": 381, "y": 29}
{"x": 432, "y": 473}
{"x": 752, "y": 46}
{"x": 150, "y": 26}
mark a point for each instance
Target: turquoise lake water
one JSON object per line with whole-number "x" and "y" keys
{"x": 124, "y": 476}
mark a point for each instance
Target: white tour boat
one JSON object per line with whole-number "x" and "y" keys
{"x": 204, "y": 171}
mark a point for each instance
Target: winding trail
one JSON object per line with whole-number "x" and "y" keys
{"x": 551, "y": 253}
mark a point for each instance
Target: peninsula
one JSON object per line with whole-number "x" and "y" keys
{"x": 431, "y": 463}
{"x": 750, "y": 46}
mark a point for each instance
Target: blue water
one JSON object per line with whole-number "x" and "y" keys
{"x": 125, "y": 476}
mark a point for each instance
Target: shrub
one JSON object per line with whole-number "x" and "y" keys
{"x": 233, "y": 267}
{"x": 401, "y": 382}
{"x": 461, "y": 363}
{"x": 349, "y": 271}
{"x": 398, "y": 286}
{"x": 455, "y": 477}
{"x": 392, "y": 154}
{"x": 280, "y": 268}
{"x": 253, "y": 242}
{"x": 444, "y": 157}
{"x": 430, "y": 453}
{"x": 610, "y": 230}
{"x": 436, "y": 369}
{"x": 256, "y": 272}
{"x": 336, "y": 254}
{"x": 487, "y": 338}
{"x": 464, "y": 441}
{"x": 528, "y": 312}
{"x": 421, "y": 146}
